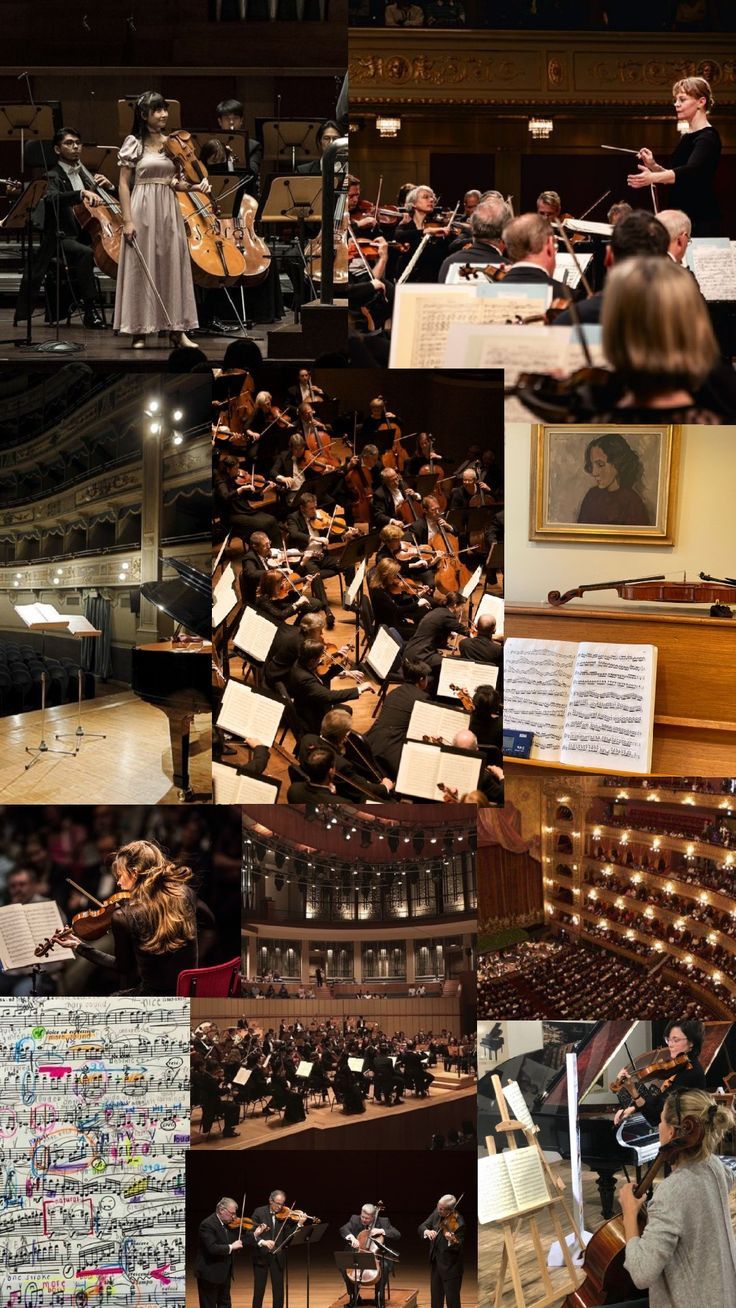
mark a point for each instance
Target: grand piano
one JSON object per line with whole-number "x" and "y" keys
{"x": 175, "y": 675}
{"x": 542, "y": 1078}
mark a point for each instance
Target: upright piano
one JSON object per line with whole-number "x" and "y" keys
{"x": 175, "y": 675}
{"x": 542, "y": 1079}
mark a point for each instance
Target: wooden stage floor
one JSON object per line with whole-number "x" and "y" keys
{"x": 131, "y": 766}
{"x": 326, "y": 1284}
{"x": 490, "y": 1245}
{"x": 459, "y": 1103}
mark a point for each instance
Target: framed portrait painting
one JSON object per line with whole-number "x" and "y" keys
{"x": 605, "y": 484}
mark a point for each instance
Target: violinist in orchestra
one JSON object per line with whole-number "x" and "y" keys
{"x": 686, "y": 1252}
{"x": 337, "y": 729}
{"x": 253, "y": 564}
{"x": 154, "y": 252}
{"x": 481, "y": 647}
{"x": 318, "y": 785}
{"x": 360, "y": 213}
{"x": 401, "y": 544}
{"x": 269, "y": 1259}
{"x": 306, "y": 532}
{"x": 213, "y": 1266}
{"x": 444, "y": 1231}
{"x": 392, "y": 494}
{"x": 486, "y": 721}
{"x": 434, "y": 628}
{"x": 681, "y": 1037}
{"x": 388, "y": 733}
{"x": 421, "y": 204}
{"x": 549, "y": 206}
{"x": 287, "y": 643}
{"x": 154, "y": 929}
{"x": 487, "y": 223}
{"x": 265, "y": 418}
{"x": 279, "y": 601}
{"x": 213, "y": 1097}
{"x": 312, "y": 698}
{"x": 234, "y": 499}
{"x": 365, "y": 1230}
{"x": 641, "y": 233}
{"x": 288, "y": 469}
{"x": 531, "y": 247}
{"x": 69, "y": 183}
{"x": 396, "y": 602}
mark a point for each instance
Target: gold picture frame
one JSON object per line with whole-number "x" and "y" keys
{"x": 622, "y": 491}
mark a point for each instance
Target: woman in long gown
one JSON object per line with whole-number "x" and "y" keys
{"x": 152, "y": 219}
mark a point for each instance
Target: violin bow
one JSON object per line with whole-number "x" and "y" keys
{"x": 242, "y": 1215}
{"x": 151, "y": 282}
{"x": 594, "y": 205}
{"x": 84, "y": 892}
{"x": 361, "y": 256}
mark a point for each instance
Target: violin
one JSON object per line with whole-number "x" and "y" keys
{"x": 370, "y": 250}
{"x": 332, "y": 658}
{"x": 657, "y": 1069}
{"x": 245, "y": 1224}
{"x": 260, "y": 484}
{"x": 92, "y": 924}
{"x": 285, "y": 1214}
{"x": 655, "y": 589}
{"x": 450, "y": 1225}
{"x": 465, "y": 697}
{"x": 216, "y": 261}
{"x": 580, "y": 397}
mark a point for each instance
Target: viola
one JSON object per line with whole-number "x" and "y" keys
{"x": 91, "y": 924}
{"x": 580, "y": 397}
{"x": 285, "y": 1214}
{"x": 370, "y": 250}
{"x": 103, "y": 223}
{"x": 655, "y": 589}
{"x": 266, "y": 489}
{"x": 657, "y": 1069}
{"x": 245, "y": 1224}
{"x": 216, "y": 261}
{"x": 450, "y": 1225}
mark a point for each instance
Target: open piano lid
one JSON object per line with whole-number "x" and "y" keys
{"x": 187, "y": 598}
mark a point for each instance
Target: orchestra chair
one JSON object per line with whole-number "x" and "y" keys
{"x": 220, "y": 982}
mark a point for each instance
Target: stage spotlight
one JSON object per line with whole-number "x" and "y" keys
{"x": 278, "y": 882}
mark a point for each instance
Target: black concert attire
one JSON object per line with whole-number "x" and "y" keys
{"x": 283, "y": 654}
{"x": 387, "y": 1080}
{"x": 213, "y": 1266}
{"x": 522, "y": 272}
{"x": 265, "y": 1262}
{"x": 685, "y": 1078}
{"x": 695, "y": 164}
{"x": 431, "y": 636}
{"x": 321, "y": 564}
{"x": 232, "y": 506}
{"x": 344, "y": 768}
{"x": 354, "y": 1227}
{"x": 252, "y": 568}
{"x": 481, "y": 649}
{"x": 415, "y": 1073}
{"x": 312, "y": 698}
{"x": 388, "y": 733}
{"x": 399, "y": 611}
{"x": 282, "y": 610}
{"x": 144, "y": 973}
{"x": 62, "y": 194}
{"x": 446, "y": 1262}
{"x": 384, "y": 507}
{"x": 209, "y": 1094}
{"x": 479, "y": 253}
{"x": 375, "y": 432}
{"x": 428, "y": 265}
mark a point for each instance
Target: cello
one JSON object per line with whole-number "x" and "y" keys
{"x": 452, "y": 574}
{"x": 103, "y": 223}
{"x": 216, "y": 261}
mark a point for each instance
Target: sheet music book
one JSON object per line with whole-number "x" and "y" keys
{"x": 713, "y": 261}
{"x": 80, "y": 626}
{"x": 242, "y": 1076}
{"x": 382, "y": 654}
{"x": 584, "y": 227}
{"x": 356, "y": 1064}
{"x": 247, "y": 714}
{"x": 433, "y": 720}
{"x": 40, "y": 615}
{"x": 255, "y": 635}
{"x": 423, "y": 767}
{"x": 356, "y": 583}
{"x": 229, "y": 788}
{"x": 22, "y": 927}
{"x": 304, "y": 1068}
{"x": 492, "y": 604}
{"x": 589, "y": 705}
{"x": 224, "y": 597}
{"x": 510, "y": 1184}
{"x": 424, "y": 313}
{"x": 472, "y": 582}
{"x": 465, "y": 673}
{"x": 566, "y": 270}
{"x": 518, "y": 1105}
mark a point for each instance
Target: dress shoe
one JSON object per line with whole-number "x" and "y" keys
{"x": 227, "y": 1135}
{"x": 93, "y": 320}
{"x": 330, "y": 621}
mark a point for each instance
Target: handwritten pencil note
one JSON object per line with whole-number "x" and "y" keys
{"x": 425, "y": 313}
{"x": 589, "y": 705}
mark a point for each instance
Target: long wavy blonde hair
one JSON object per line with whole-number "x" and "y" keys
{"x": 162, "y": 901}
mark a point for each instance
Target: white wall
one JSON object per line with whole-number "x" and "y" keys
{"x": 705, "y": 526}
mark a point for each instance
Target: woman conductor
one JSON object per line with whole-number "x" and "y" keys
{"x": 694, "y": 165}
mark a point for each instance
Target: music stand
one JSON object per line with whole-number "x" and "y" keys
{"x": 308, "y": 1235}
{"x": 80, "y": 735}
{"x": 21, "y": 122}
{"x": 357, "y": 1260}
{"x": 295, "y": 200}
{"x": 290, "y": 141}
{"x": 19, "y": 217}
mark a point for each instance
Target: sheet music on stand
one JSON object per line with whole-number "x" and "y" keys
{"x": 423, "y": 768}
{"x": 465, "y": 673}
{"x": 568, "y": 271}
{"x": 255, "y": 635}
{"x": 247, "y": 714}
{"x": 229, "y": 788}
{"x": 494, "y": 606}
{"x": 224, "y": 596}
{"x": 352, "y": 591}
{"x": 383, "y": 653}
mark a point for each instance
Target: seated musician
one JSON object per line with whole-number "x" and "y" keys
{"x": 377, "y": 428}
{"x": 486, "y": 721}
{"x": 641, "y": 233}
{"x": 421, "y": 204}
{"x": 312, "y": 698}
{"x": 360, "y": 1231}
{"x": 288, "y": 469}
{"x": 490, "y": 782}
{"x": 531, "y": 247}
{"x": 350, "y": 1088}
{"x": 302, "y": 534}
{"x": 327, "y": 133}
{"x": 306, "y": 390}
{"x": 263, "y": 419}
{"x": 279, "y": 601}
{"x": 213, "y": 1097}
{"x": 416, "y": 1075}
{"x": 681, "y": 1037}
{"x": 253, "y": 564}
{"x": 482, "y": 648}
{"x": 402, "y": 545}
{"x": 337, "y": 725}
{"x": 361, "y": 477}
{"x": 487, "y": 223}
{"x": 231, "y": 118}
{"x": 362, "y": 219}
{"x": 395, "y": 601}
{"x": 286, "y": 645}
{"x": 319, "y": 787}
{"x": 69, "y": 183}
{"x": 387, "y": 736}
{"x": 155, "y": 932}
{"x": 549, "y": 206}
{"x": 686, "y": 1252}
{"x": 389, "y": 1085}
{"x": 389, "y": 497}
{"x": 462, "y": 495}
{"x": 433, "y": 630}
{"x": 233, "y": 502}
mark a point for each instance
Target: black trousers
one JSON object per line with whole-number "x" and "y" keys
{"x": 445, "y": 1287}
{"x": 260, "y": 1281}
{"x": 213, "y": 1296}
{"x": 81, "y": 263}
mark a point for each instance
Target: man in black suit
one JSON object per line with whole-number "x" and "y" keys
{"x": 318, "y": 788}
{"x": 327, "y": 133}
{"x": 69, "y": 183}
{"x": 231, "y": 118}
{"x": 389, "y": 497}
{"x": 267, "y": 1260}
{"x": 446, "y": 1253}
{"x": 377, "y": 1227}
{"x": 433, "y": 630}
{"x": 252, "y": 567}
{"x": 312, "y": 698}
{"x": 482, "y": 648}
{"x": 286, "y": 645}
{"x": 213, "y": 1267}
{"x": 487, "y": 222}
{"x": 641, "y": 233}
{"x": 303, "y": 535}
{"x": 415, "y": 1071}
{"x": 532, "y": 248}
{"x": 387, "y": 736}
{"x": 336, "y": 726}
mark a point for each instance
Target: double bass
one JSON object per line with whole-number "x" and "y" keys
{"x": 216, "y": 261}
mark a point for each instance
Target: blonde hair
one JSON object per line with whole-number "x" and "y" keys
{"x": 384, "y": 572}
{"x": 714, "y": 1120}
{"x": 696, "y": 87}
{"x": 161, "y": 898}
{"x": 656, "y": 329}
{"x": 391, "y": 532}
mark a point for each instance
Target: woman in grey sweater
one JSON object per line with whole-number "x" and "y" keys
{"x": 686, "y": 1254}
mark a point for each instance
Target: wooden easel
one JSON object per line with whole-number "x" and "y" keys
{"x": 510, "y": 1225}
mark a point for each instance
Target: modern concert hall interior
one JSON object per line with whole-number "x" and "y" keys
{"x": 357, "y": 934}
{"x": 542, "y": 130}
{"x": 385, "y": 664}
{"x": 330, "y": 1195}
{"x": 531, "y": 1063}
{"x": 104, "y": 587}
{"x": 255, "y": 95}
{"x": 604, "y": 895}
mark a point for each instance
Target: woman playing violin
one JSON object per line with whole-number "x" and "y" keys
{"x": 155, "y": 932}
{"x": 399, "y": 544}
{"x": 396, "y": 601}
{"x": 152, "y": 222}
{"x": 421, "y": 203}
{"x": 685, "y": 1037}
{"x": 686, "y": 1252}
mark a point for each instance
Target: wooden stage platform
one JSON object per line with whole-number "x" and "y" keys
{"x": 325, "y": 1283}
{"x": 131, "y": 766}
{"x": 410, "y": 1125}
{"x": 400, "y": 1298}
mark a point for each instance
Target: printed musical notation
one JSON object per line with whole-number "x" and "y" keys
{"x": 94, "y": 1124}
